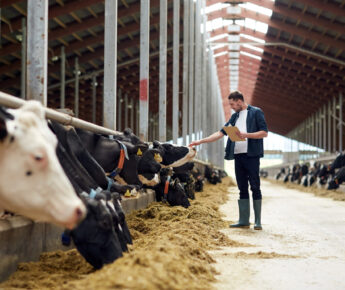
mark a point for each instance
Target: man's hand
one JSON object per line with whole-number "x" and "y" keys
{"x": 242, "y": 135}
{"x": 194, "y": 143}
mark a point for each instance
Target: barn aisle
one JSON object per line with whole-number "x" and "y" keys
{"x": 301, "y": 245}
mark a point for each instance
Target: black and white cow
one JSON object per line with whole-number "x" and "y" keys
{"x": 32, "y": 181}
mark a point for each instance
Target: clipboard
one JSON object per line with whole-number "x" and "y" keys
{"x": 231, "y": 131}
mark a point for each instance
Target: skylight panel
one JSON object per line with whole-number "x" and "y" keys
{"x": 257, "y": 8}
{"x": 250, "y": 55}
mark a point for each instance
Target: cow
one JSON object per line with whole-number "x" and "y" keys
{"x": 95, "y": 237}
{"x": 171, "y": 190}
{"x": 212, "y": 175}
{"x": 27, "y": 152}
{"x": 338, "y": 179}
{"x": 184, "y": 174}
{"x": 173, "y": 155}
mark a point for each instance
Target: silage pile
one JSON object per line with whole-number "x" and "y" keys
{"x": 334, "y": 194}
{"x": 170, "y": 251}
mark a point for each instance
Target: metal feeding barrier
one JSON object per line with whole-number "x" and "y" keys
{"x": 13, "y": 102}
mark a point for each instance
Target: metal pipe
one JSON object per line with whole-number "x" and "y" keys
{"x": 340, "y": 122}
{"x": 76, "y": 87}
{"x": 185, "y": 70}
{"x": 176, "y": 43}
{"x": 37, "y": 50}
{"x": 191, "y": 71}
{"x": 305, "y": 51}
{"x": 62, "y": 77}
{"x": 334, "y": 126}
{"x": 119, "y": 127}
{"x": 163, "y": 35}
{"x": 144, "y": 68}
{"x": 110, "y": 64}
{"x": 23, "y": 62}
{"x": 100, "y": 71}
{"x": 125, "y": 112}
{"x": 94, "y": 92}
{"x": 197, "y": 69}
{"x": 13, "y": 102}
{"x": 324, "y": 129}
{"x": 131, "y": 124}
{"x": 329, "y": 132}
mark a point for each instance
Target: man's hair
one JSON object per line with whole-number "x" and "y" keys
{"x": 236, "y": 95}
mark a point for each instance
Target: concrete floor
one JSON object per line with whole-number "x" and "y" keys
{"x": 301, "y": 245}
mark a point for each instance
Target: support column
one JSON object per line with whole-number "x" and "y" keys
{"x": 110, "y": 64}
{"x": 197, "y": 70}
{"x": 329, "y": 132}
{"x": 37, "y": 50}
{"x": 131, "y": 124}
{"x": 119, "y": 124}
{"x": 334, "y": 126}
{"x": 76, "y": 87}
{"x": 94, "y": 92}
{"x": 340, "y": 122}
{"x": 62, "y": 77}
{"x": 324, "y": 128}
{"x": 176, "y": 58}
{"x": 23, "y": 62}
{"x": 125, "y": 111}
{"x": 186, "y": 4}
{"x": 163, "y": 35}
{"x": 191, "y": 71}
{"x": 144, "y": 69}
{"x": 204, "y": 83}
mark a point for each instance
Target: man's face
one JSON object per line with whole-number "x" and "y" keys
{"x": 236, "y": 105}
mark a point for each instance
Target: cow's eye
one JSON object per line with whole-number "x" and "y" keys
{"x": 11, "y": 139}
{"x": 28, "y": 173}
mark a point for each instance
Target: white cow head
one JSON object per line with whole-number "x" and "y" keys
{"x": 32, "y": 181}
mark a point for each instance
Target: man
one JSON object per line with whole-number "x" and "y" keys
{"x": 251, "y": 123}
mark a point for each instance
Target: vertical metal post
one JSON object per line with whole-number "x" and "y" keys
{"x": 334, "y": 126}
{"x": 163, "y": 15}
{"x": 204, "y": 82}
{"x": 23, "y": 62}
{"x": 62, "y": 77}
{"x": 37, "y": 50}
{"x": 324, "y": 128}
{"x": 340, "y": 122}
{"x": 312, "y": 130}
{"x": 110, "y": 64}
{"x": 131, "y": 124}
{"x": 176, "y": 44}
{"x": 76, "y": 87}
{"x": 144, "y": 68}
{"x": 119, "y": 126}
{"x": 94, "y": 85}
{"x": 185, "y": 70}
{"x": 125, "y": 111}
{"x": 138, "y": 117}
{"x": 320, "y": 128}
{"x": 329, "y": 132}
{"x": 197, "y": 69}
{"x": 191, "y": 71}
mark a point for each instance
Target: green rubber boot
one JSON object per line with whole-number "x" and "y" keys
{"x": 244, "y": 211}
{"x": 257, "y": 212}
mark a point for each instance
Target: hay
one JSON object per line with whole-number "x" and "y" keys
{"x": 170, "y": 251}
{"x": 322, "y": 192}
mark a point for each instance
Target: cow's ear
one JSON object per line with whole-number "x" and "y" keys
{"x": 127, "y": 132}
{"x": 3, "y": 129}
{"x": 156, "y": 144}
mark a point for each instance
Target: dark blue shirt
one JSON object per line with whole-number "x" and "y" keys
{"x": 255, "y": 122}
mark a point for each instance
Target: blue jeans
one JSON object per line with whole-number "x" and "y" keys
{"x": 247, "y": 170}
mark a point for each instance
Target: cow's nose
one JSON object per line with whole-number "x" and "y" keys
{"x": 193, "y": 148}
